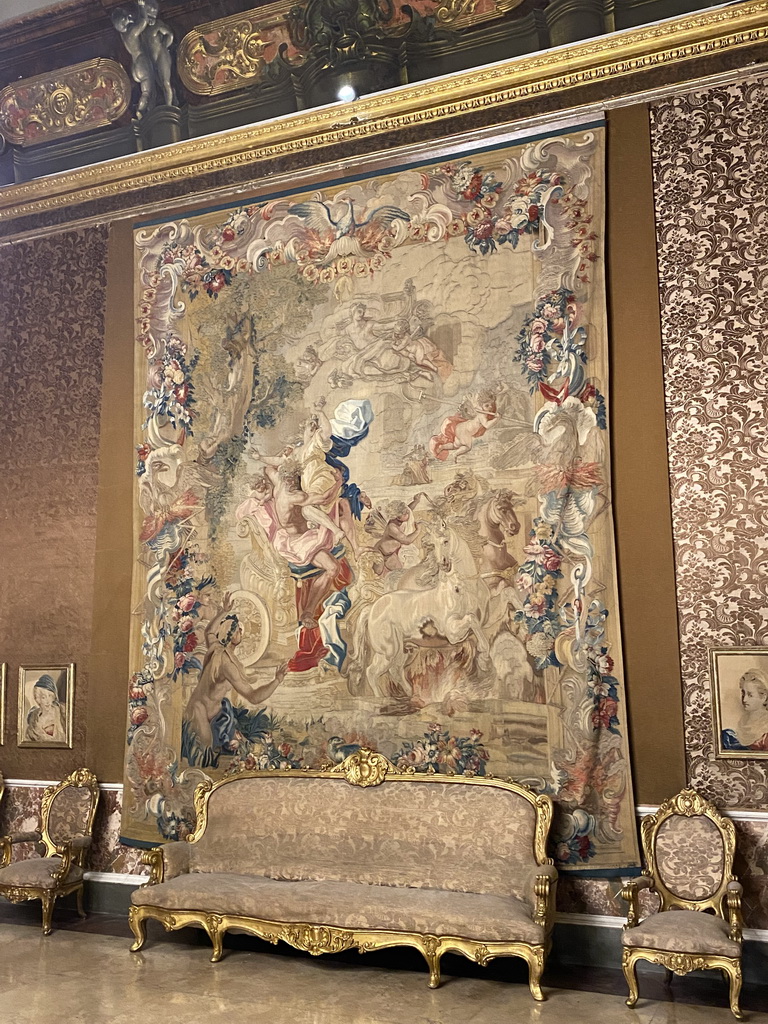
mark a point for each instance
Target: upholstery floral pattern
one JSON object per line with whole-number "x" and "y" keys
{"x": 36, "y": 872}
{"x": 428, "y": 835}
{"x": 683, "y": 931}
{"x": 690, "y": 856}
{"x": 68, "y": 814}
{"x": 349, "y": 905}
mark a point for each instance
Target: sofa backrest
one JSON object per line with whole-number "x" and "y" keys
{"x": 418, "y": 833}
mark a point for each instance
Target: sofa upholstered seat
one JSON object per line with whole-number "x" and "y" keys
{"x": 350, "y": 905}
{"x": 363, "y": 856}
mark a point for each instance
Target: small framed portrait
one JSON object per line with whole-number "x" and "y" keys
{"x": 46, "y": 698}
{"x": 3, "y": 677}
{"x": 740, "y": 701}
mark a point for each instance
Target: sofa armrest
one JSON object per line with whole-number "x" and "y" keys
{"x": 539, "y": 891}
{"x": 628, "y": 893}
{"x": 175, "y": 860}
{"x": 166, "y": 862}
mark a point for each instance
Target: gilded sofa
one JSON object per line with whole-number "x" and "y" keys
{"x": 362, "y": 855}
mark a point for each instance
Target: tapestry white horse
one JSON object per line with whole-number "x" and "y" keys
{"x": 455, "y": 608}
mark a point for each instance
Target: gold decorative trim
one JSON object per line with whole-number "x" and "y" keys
{"x": 229, "y": 53}
{"x": 64, "y": 102}
{"x": 316, "y": 939}
{"x": 364, "y": 768}
{"x": 680, "y": 964}
{"x": 676, "y": 42}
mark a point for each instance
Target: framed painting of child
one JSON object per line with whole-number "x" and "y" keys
{"x": 739, "y": 678}
{"x": 46, "y": 694}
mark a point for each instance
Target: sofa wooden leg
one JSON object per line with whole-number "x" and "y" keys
{"x": 138, "y": 926}
{"x": 216, "y": 935}
{"x": 535, "y": 971}
{"x": 430, "y": 948}
{"x": 628, "y": 967}
{"x": 48, "y": 900}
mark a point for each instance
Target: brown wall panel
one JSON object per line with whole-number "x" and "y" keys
{"x": 112, "y": 585}
{"x": 639, "y": 467}
{"x": 51, "y": 329}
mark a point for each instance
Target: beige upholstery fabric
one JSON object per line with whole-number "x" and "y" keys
{"x": 68, "y": 815}
{"x": 348, "y": 905}
{"x": 690, "y": 856}
{"x": 431, "y": 835}
{"x": 683, "y": 931}
{"x": 36, "y": 872}
{"x": 175, "y": 859}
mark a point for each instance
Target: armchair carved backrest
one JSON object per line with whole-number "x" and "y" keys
{"x": 67, "y": 812}
{"x": 689, "y": 849}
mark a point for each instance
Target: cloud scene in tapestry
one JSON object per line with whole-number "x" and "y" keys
{"x": 372, "y": 472}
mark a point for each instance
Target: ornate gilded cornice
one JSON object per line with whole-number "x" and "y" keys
{"x": 676, "y": 43}
{"x": 68, "y": 101}
{"x": 230, "y": 53}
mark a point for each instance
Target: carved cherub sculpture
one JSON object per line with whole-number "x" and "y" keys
{"x": 148, "y": 41}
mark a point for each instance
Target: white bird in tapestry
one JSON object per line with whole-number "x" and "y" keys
{"x": 347, "y": 236}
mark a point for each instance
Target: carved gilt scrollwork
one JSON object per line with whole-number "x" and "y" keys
{"x": 226, "y": 54}
{"x": 365, "y": 768}
{"x": 316, "y": 940}
{"x": 65, "y": 102}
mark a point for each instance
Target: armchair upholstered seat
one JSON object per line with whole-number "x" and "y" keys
{"x": 363, "y": 856}
{"x": 66, "y": 822}
{"x": 689, "y": 849}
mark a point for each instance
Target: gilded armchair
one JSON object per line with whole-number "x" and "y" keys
{"x": 66, "y": 823}
{"x": 689, "y": 849}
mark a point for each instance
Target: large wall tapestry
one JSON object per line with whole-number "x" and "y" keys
{"x": 373, "y": 487}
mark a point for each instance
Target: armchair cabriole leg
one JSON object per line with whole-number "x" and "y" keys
{"x": 628, "y": 967}
{"x": 734, "y": 977}
{"x": 80, "y": 907}
{"x": 48, "y": 899}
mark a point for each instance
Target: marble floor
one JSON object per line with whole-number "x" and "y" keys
{"x": 84, "y": 974}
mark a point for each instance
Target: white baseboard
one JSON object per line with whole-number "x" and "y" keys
{"x": 730, "y": 812}
{"x": 115, "y": 878}
{"x": 115, "y": 787}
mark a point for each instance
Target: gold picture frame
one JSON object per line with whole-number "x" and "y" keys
{"x": 46, "y": 695}
{"x": 739, "y": 679}
{"x": 3, "y": 683}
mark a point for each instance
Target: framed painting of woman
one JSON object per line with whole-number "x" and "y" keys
{"x": 740, "y": 701}
{"x": 46, "y": 693}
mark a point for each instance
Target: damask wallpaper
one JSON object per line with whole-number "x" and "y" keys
{"x": 50, "y": 394}
{"x": 712, "y": 217}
